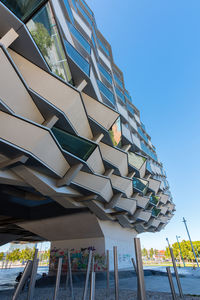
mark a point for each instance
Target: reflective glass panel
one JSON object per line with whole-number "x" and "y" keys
{"x": 79, "y": 37}
{"x": 118, "y": 81}
{"x": 148, "y": 151}
{"x": 87, "y": 8}
{"x": 136, "y": 160}
{"x": 107, "y": 93}
{"x": 130, "y": 108}
{"x": 93, "y": 41}
{"x": 45, "y": 34}
{"x": 103, "y": 47}
{"x": 120, "y": 95}
{"x": 84, "y": 14}
{"x": 74, "y": 3}
{"x": 116, "y": 133}
{"x": 141, "y": 133}
{"x": 22, "y": 8}
{"x": 154, "y": 200}
{"x": 105, "y": 73}
{"x": 149, "y": 167}
{"x": 69, "y": 11}
{"x": 140, "y": 184}
{"x": 73, "y": 144}
{"x": 77, "y": 58}
{"x": 155, "y": 211}
{"x": 143, "y": 126}
{"x": 128, "y": 96}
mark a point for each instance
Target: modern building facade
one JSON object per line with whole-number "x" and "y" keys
{"x": 77, "y": 166}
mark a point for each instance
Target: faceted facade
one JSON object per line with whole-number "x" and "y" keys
{"x": 77, "y": 166}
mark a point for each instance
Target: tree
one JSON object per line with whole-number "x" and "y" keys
{"x": 27, "y": 254}
{"x": 167, "y": 253}
{"x": 151, "y": 253}
{"x": 13, "y": 256}
{"x": 1, "y": 255}
{"x": 155, "y": 252}
{"x": 42, "y": 38}
{"x": 144, "y": 252}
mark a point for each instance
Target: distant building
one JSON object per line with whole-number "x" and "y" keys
{"x": 160, "y": 256}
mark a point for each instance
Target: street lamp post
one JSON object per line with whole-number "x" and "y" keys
{"x": 184, "y": 221}
{"x": 177, "y": 237}
{"x": 168, "y": 242}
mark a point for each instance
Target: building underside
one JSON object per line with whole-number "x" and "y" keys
{"x": 76, "y": 162}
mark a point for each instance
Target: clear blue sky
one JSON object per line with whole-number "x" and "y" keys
{"x": 156, "y": 43}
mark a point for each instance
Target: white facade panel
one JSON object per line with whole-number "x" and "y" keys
{"x": 62, "y": 20}
{"x": 87, "y": 30}
{"x": 105, "y": 60}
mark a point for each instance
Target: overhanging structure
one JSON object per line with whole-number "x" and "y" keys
{"x": 76, "y": 163}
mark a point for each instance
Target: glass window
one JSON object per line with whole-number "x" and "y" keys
{"x": 120, "y": 95}
{"x": 22, "y": 8}
{"x": 128, "y": 96}
{"x": 154, "y": 200}
{"x": 74, "y": 3}
{"x": 105, "y": 73}
{"x": 118, "y": 81}
{"x": 84, "y": 14}
{"x": 140, "y": 184}
{"x": 45, "y": 34}
{"x": 149, "y": 167}
{"x": 155, "y": 212}
{"x": 103, "y": 47}
{"x": 148, "y": 151}
{"x": 143, "y": 126}
{"x": 93, "y": 41}
{"x": 79, "y": 37}
{"x": 130, "y": 108}
{"x": 142, "y": 135}
{"x": 74, "y": 144}
{"x": 106, "y": 92}
{"x": 69, "y": 11}
{"x": 135, "y": 160}
{"x": 77, "y": 58}
{"x": 116, "y": 133}
{"x": 87, "y": 8}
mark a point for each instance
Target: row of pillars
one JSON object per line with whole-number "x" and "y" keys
{"x": 31, "y": 271}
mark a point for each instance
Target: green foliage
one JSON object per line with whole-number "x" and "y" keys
{"x": 42, "y": 38}
{"x": 27, "y": 254}
{"x": 1, "y": 255}
{"x": 155, "y": 252}
{"x": 167, "y": 253}
{"x": 24, "y": 255}
{"x": 13, "y": 256}
{"x": 59, "y": 74}
{"x": 144, "y": 252}
{"x": 45, "y": 255}
{"x": 151, "y": 253}
{"x": 186, "y": 250}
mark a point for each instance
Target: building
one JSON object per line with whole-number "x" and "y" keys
{"x": 77, "y": 166}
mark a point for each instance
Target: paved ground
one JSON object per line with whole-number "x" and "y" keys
{"x": 47, "y": 294}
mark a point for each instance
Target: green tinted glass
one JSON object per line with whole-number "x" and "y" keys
{"x": 73, "y": 144}
{"x": 154, "y": 200}
{"x": 22, "y": 8}
{"x": 140, "y": 184}
{"x": 136, "y": 160}
{"x": 155, "y": 211}
{"x": 45, "y": 33}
